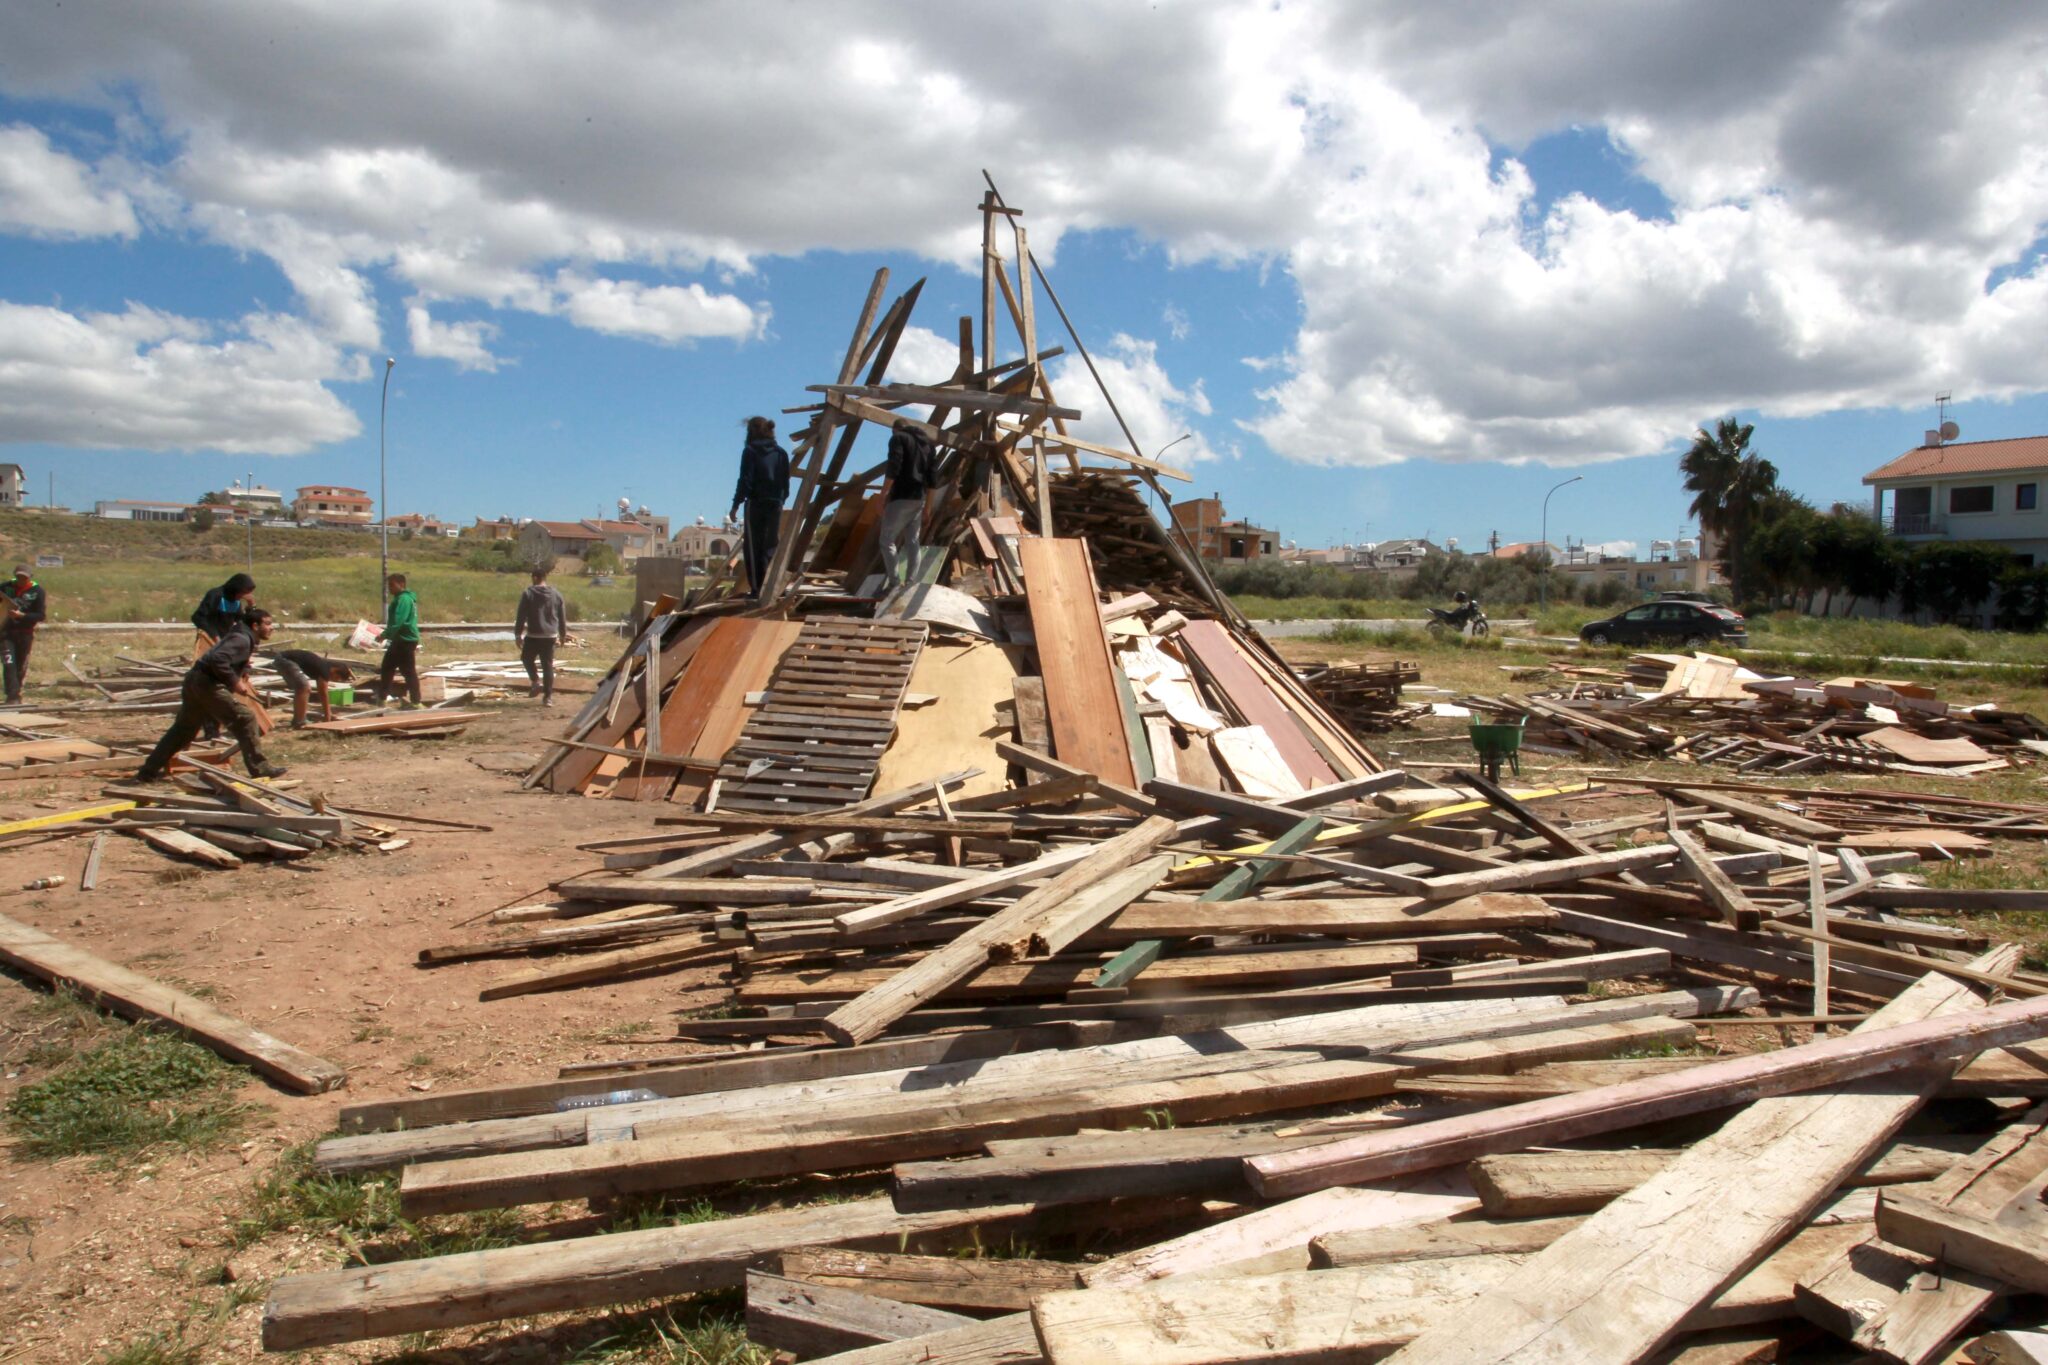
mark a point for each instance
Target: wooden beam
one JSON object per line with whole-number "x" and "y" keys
{"x": 1738, "y": 909}
{"x": 1735, "y": 1080}
{"x": 357, "y": 1303}
{"x": 2015, "y": 1256}
{"x": 810, "y": 1320}
{"x": 134, "y": 996}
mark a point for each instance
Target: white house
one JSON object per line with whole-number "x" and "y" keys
{"x": 1967, "y": 490}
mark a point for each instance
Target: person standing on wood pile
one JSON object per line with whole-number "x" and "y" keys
{"x": 763, "y": 488}
{"x": 223, "y": 607}
{"x": 213, "y": 690}
{"x": 542, "y": 622}
{"x": 26, "y": 604}
{"x": 302, "y": 670}
{"x": 913, "y": 466}
{"x": 401, "y": 637}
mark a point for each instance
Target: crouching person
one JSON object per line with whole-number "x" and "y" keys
{"x": 304, "y": 672}
{"x": 213, "y": 690}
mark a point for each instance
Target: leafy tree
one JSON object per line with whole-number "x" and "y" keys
{"x": 1729, "y": 484}
{"x": 601, "y": 558}
{"x": 1952, "y": 578}
{"x": 201, "y": 520}
{"x": 2023, "y": 598}
{"x": 1855, "y": 556}
{"x": 1777, "y": 558}
{"x": 219, "y": 497}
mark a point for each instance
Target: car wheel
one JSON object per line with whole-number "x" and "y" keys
{"x": 1695, "y": 641}
{"x": 1598, "y": 637}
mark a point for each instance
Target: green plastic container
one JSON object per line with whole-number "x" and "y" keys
{"x": 1496, "y": 744}
{"x": 340, "y": 695}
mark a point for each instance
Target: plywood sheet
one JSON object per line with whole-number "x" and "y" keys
{"x": 725, "y": 713}
{"x": 1916, "y": 748}
{"x": 1081, "y": 697}
{"x": 1249, "y": 753}
{"x": 959, "y": 730}
{"x": 1256, "y": 701}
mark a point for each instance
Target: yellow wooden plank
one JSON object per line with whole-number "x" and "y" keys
{"x": 1396, "y": 824}
{"x": 66, "y": 817}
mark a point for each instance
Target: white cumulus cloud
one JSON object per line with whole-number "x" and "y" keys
{"x": 465, "y": 343}
{"x": 152, "y": 380}
{"x": 658, "y": 312}
{"x": 46, "y": 193}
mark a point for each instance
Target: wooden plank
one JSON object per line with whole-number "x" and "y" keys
{"x": 958, "y": 730}
{"x": 936, "y": 1281}
{"x": 1558, "y": 872}
{"x": 726, "y": 716}
{"x": 1348, "y": 917}
{"x": 1736, "y": 907}
{"x": 810, "y": 1320}
{"x": 1251, "y": 696}
{"x": 684, "y": 1150}
{"x": 1735, "y": 1080}
{"x": 1544, "y": 1184}
{"x": 1007, "y": 1340}
{"x": 1624, "y": 1282}
{"x": 958, "y": 892}
{"x": 1907, "y": 1307}
{"x": 1750, "y": 812}
{"x": 134, "y": 996}
{"x": 663, "y": 953}
{"x": 1002, "y": 937}
{"x": 357, "y": 1303}
{"x": 1082, "y": 707}
{"x": 178, "y": 843}
{"x": 2010, "y": 1255}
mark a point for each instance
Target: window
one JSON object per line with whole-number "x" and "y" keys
{"x": 1973, "y": 498}
{"x": 2026, "y": 497}
{"x": 1640, "y": 614}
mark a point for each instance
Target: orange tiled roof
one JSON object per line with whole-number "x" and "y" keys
{"x": 1966, "y": 457}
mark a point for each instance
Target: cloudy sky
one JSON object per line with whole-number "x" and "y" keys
{"x": 1394, "y": 269}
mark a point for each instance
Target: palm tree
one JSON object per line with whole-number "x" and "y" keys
{"x": 1730, "y": 485}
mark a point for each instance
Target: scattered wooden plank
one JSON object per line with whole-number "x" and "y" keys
{"x": 812, "y": 1320}
{"x": 134, "y": 996}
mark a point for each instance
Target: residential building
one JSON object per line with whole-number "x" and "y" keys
{"x": 421, "y": 524}
{"x": 558, "y": 539}
{"x": 124, "y": 509}
{"x": 632, "y": 537}
{"x": 264, "y": 502}
{"x": 1523, "y": 547}
{"x": 1647, "y": 576}
{"x": 1216, "y": 537}
{"x": 327, "y": 504}
{"x": 705, "y": 543}
{"x": 504, "y": 528}
{"x": 13, "y": 485}
{"x": 1404, "y": 553}
{"x": 1967, "y": 490}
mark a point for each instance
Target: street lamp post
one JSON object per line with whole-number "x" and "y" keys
{"x": 249, "y": 491}
{"x": 1543, "y": 584}
{"x": 383, "y": 507}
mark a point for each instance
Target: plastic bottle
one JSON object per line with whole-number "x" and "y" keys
{"x": 634, "y": 1096}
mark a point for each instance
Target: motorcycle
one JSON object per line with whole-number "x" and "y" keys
{"x": 1469, "y": 619}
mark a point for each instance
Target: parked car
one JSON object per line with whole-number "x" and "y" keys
{"x": 1691, "y": 624}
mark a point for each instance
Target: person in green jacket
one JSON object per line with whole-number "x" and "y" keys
{"x": 401, "y": 637}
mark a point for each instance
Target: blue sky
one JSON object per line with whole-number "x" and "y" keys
{"x": 1397, "y": 275}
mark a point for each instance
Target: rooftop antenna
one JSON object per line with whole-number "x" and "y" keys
{"x": 1944, "y": 430}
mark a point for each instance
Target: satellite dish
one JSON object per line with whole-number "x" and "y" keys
{"x": 1949, "y": 431}
{"x": 1451, "y": 544}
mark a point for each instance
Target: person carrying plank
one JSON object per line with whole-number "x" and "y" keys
{"x": 763, "y": 488}
{"x": 26, "y": 605}
{"x": 214, "y": 689}
{"x": 541, "y": 623}
{"x": 401, "y": 637}
{"x": 302, "y": 671}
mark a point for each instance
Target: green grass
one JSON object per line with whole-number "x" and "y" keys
{"x": 137, "y": 1090}
{"x": 361, "y": 1212}
{"x": 155, "y": 1349}
{"x": 327, "y": 588}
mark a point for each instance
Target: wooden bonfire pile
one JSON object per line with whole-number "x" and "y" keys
{"x": 1333, "y": 1069}
{"x": 1054, "y": 911}
{"x": 1698, "y": 710}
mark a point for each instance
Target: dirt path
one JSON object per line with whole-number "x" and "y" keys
{"x": 320, "y": 954}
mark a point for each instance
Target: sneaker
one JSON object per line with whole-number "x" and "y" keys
{"x": 533, "y": 692}
{"x": 151, "y": 779}
{"x": 548, "y": 702}
{"x": 300, "y": 724}
{"x": 268, "y": 770}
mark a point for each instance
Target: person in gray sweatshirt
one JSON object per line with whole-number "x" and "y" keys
{"x": 542, "y": 623}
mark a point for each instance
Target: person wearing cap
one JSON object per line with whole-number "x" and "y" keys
{"x": 26, "y": 605}
{"x": 213, "y": 690}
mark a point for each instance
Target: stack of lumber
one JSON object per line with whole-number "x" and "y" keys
{"x": 1366, "y": 696}
{"x": 1300, "y": 1079}
{"x": 1706, "y": 709}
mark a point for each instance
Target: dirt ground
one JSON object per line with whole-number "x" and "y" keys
{"x": 321, "y": 954}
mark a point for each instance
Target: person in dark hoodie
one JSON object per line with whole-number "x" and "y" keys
{"x": 763, "y": 488}
{"x": 223, "y": 606}
{"x": 24, "y": 605}
{"x": 213, "y": 690}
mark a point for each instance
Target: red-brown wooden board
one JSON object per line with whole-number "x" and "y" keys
{"x": 1081, "y": 698}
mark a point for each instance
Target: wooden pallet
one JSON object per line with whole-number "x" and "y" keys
{"x": 830, "y": 712}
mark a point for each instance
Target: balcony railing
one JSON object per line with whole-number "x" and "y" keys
{"x": 1914, "y": 524}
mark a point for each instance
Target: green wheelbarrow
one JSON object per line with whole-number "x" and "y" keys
{"x": 1496, "y": 744}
